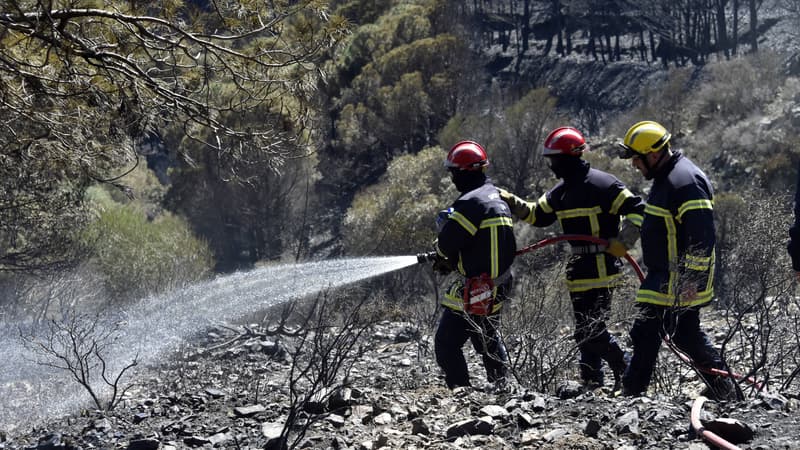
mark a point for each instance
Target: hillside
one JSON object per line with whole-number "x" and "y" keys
{"x": 379, "y": 180}
{"x": 236, "y": 396}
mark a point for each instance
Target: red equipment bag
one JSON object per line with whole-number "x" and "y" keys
{"x": 479, "y": 295}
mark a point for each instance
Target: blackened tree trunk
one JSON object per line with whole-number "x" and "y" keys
{"x": 722, "y": 32}
{"x": 735, "y": 27}
{"x": 753, "y": 26}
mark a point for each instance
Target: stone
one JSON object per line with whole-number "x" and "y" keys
{"x": 628, "y": 423}
{"x": 383, "y": 418}
{"x": 271, "y": 430}
{"x": 249, "y": 411}
{"x": 592, "y": 428}
{"x": 732, "y": 430}
{"x": 196, "y": 441}
{"x": 215, "y": 393}
{"x": 494, "y": 411}
{"x": 569, "y": 389}
{"x": 418, "y": 426}
{"x": 144, "y": 444}
{"x": 470, "y": 427}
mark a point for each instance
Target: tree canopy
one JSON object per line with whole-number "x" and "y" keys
{"x": 83, "y": 83}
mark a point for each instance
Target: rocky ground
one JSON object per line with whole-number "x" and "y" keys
{"x": 236, "y": 396}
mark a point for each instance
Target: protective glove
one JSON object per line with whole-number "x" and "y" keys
{"x": 616, "y": 248}
{"x": 442, "y": 265}
{"x": 519, "y": 207}
{"x": 442, "y": 217}
{"x": 628, "y": 233}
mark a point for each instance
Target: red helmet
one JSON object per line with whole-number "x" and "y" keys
{"x": 467, "y": 155}
{"x": 564, "y": 141}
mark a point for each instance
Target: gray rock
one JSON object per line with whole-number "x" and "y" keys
{"x": 336, "y": 420}
{"x": 340, "y": 398}
{"x": 215, "y": 393}
{"x": 569, "y": 389}
{"x": 271, "y": 430}
{"x": 383, "y": 418}
{"x": 552, "y": 435}
{"x": 418, "y": 426}
{"x": 731, "y": 430}
{"x": 774, "y": 401}
{"x": 470, "y": 427}
{"x": 628, "y": 423}
{"x": 196, "y": 441}
{"x": 524, "y": 420}
{"x": 539, "y": 404}
{"x": 249, "y": 411}
{"x": 494, "y": 411}
{"x": 144, "y": 444}
{"x": 319, "y": 402}
{"x": 592, "y": 428}
{"x": 219, "y": 438}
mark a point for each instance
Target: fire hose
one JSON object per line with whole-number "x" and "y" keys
{"x": 698, "y": 403}
{"x": 425, "y": 257}
{"x": 697, "y": 407}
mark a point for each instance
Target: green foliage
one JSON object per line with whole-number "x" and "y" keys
{"x": 363, "y": 11}
{"x": 137, "y": 256}
{"x": 394, "y": 83}
{"x": 396, "y": 215}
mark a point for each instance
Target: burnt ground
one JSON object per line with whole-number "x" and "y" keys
{"x": 234, "y": 394}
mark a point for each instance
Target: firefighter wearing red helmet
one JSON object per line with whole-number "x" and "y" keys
{"x": 476, "y": 238}
{"x": 589, "y": 202}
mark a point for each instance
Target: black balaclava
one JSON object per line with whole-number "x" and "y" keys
{"x": 564, "y": 166}
{"x": 467, "y": 180}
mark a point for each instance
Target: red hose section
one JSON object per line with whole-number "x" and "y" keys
{"x": 635, "y": 265}
{"x": 710, "y": 436}
{"x": 719, "y": 372}
{"x": 698, "y": 403}
{"x": 580, "y": 237}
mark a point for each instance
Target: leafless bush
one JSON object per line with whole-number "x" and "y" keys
{"x": 536, "y": 328}
{"x": 756, "y": 288}
{"x": 81, "y": 345}
{"x": 326, "y": 343}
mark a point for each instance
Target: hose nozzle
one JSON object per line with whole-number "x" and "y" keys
{"x": 423, "y": 258}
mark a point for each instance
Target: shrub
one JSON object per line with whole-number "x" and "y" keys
{"x": 137, "y": 256}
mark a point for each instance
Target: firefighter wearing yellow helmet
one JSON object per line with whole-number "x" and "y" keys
{"x": 678, "y": 240}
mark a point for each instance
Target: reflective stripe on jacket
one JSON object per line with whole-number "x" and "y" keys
{"x": 479, "y": 236}
{"x": 678, "y": 235}
{"x": 588, "y": 202}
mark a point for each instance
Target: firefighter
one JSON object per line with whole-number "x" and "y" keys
{"x": 678, "y": 239}
{"x": 589, "y": 202}
{"x": 475, "y": 238}
{"x": 794, "y": 231}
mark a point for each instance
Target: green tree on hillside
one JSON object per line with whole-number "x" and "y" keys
{"x": 397, "y": 214}
{"x": 394, "y": 83}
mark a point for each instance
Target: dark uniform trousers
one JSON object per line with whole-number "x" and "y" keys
{"x": 455, "y": 328}
{"x": 591, "y": 309}
{"x": 682, "y": 326}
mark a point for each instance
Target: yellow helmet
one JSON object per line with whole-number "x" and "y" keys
{"x": 643, "y": 138}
